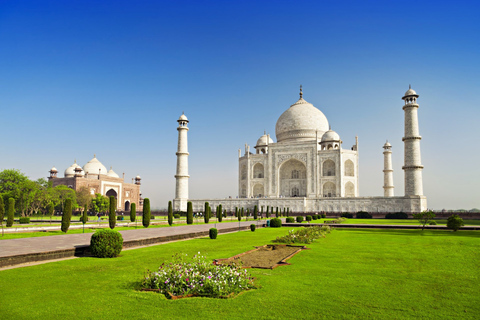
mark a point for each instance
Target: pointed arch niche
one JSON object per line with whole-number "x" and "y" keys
{"x": 293, "y": 179}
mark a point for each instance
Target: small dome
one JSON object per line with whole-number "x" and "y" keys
{"x": 300, "y": 122}
{"x": 70, "y": 171}
{"x": 183, "y": 117}
{"x": 94, "y": 166}
{"x": 112, "y": 173}
{"x": 387, "y": 144}
{"x": 262, "y": 141}
{"x": 330, "y": 135}
{"x": 138, "y": 178}
{"x": 53, "y": 169}
{"x": 410, "y": 92}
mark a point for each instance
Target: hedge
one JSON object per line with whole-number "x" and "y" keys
{"x": 106, "y": 243}
{"x": 276, "y": 223}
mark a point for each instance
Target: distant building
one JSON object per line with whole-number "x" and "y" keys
{"x": 95, "y": 177}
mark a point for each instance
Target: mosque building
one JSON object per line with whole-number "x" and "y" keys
{"x": 308, "y": 170}
{"x": 95, "y": 177}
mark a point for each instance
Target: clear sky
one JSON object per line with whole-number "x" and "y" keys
{"x": 111, "y": 78}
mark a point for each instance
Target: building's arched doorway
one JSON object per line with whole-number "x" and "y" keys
{"x": 293, "y": 179}
{"x": 127, "y": 205}
{"x": 110, "y": 193}
{"x": 258, "y": 190}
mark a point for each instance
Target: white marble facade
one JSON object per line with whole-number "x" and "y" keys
{"x": 307, "y": 169}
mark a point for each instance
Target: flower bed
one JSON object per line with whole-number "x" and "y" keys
{"x": 197, "y": 277}
{"x": 304, "y": 235}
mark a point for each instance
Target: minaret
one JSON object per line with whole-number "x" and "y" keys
{"x": 181, "y": 188}
{"x": 412, "y": 162}
{"x": 387, "y": 170}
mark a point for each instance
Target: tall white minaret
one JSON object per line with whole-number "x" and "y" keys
{"x": 387, "y": 170}
{"x": 412, "y": 162}
{"x": 181, "y": 187}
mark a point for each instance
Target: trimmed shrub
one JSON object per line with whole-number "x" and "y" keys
{"x": 323, "y": 215}
{"x": 363, "y": 215}
{"x": 206, "y": 217}
{"x": 308, "y": 218}
{"x": 432, "y": 223}
{"x": 299, "y": 219}
{"x": 111, "y": 212}
{"x": 346, "y": 215}
{"x": 67, "y": 215}
{"x": 84, "y": 217}
{"x": 119, "y": 218}
{"x": 2, "y": 210}
{"x": 212, "y": 233}
{"x": 290, "y": 219}
{"x": 219, "y": 213}
{"x": 170, "y": 213}
{"x": 146, "y": 213}
{"x": 396, "y": 215}
{"x": 252, "y": 227}
{"x": 133, "y": 212}
{"x": 315, "y": 217}
{"x": 288, "y": 212}
{"x": 176, "y": 215}
{"x": 24, "y": 220}
{"x": 106, "y": 243}
{"x": 276, "y": 223}
{"x": 454, "y": 222}
{"x": 10, "y": 211}
{"x": 268, "y": 212}
{"x": 276, "y": 212}
{"x": 239, "y": 215}
{"x": 189, "y": 212}
{"x": 255, "y": 213}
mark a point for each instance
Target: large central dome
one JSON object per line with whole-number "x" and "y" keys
{"x": 301, "y": 122}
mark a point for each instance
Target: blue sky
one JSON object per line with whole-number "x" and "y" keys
{"x": 112, "y": 78}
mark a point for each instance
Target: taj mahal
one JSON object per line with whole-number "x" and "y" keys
{"x": 307, "y": 169}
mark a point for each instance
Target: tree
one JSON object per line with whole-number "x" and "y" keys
{"x": 100, "y": 203}
{"x": 83, "y": 196}
{"x": 255, "y": 212}
{"x": 112, "y": 217}
{"x": 10, "y": 211}
{"x": 189, "y": 213}
{"x": 170, "y": 213}
{"x": 219, "y": 213}
{"x": 206, "y": 218}
{"x": 146, "y": 213}
{"x": 288, "y": 212}
{"x": 67, "y": 215}
{"x": 276, "y": 213}
{"x": 63, "y": 193}
{"x": 454, "y": 222}
{"x": 50, "y": 210}
{"x": 261, "y": 212}
{"x": 239, "y": 215}
{"x": 133, "y": 212}
{"x": 10, "y": 181}
{"x": 424, "y": 217}
{"x": 84, "y": 214}
{"x": 2, "y": 212}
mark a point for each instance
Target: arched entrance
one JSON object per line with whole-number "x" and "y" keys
{"x": 293, "y": 179}
{"x": 127, "y": 205}
{"x": 111, "y": 192}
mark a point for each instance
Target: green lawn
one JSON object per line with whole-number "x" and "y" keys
{"x": 365, "y": 274}
{"x": 397, "y": 221}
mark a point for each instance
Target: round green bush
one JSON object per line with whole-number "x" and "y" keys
{"x": 119, "y": 218}
{"x": 432, "y": 223}
{"x": 290, "y": 219}
{"x": 176, "y": 215}
{"x": 315, "y": 217}
{"x": 252, "y": 227}
{"x": 299, "y": 219}
{"x": 24, "y": 220}
{"x": 276, "y": 223}
{"x": 454, "y": 222}
{"x": 396, "y": 215}
{"x": 308, "y": 218}
{"x": 346, "y": 215}
{"x": 323, "y": 215}
{"x": 212, "y": 233}
{"x": 82, "y": 217}
{"x": 363, "y": 215}
{"x": 106, "y": 243}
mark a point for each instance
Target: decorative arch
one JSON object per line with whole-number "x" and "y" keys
{"x": 258, "y": 190}
{"x": 111, "y": 192}
{"x": 243, "y": 192}
{"x": 329, "y": 189}
{"x": 127, "y": 205}
{"x": 293, "y": 179}
{"x": 349, "y": 189}
{"x": 349, "y": 168}
{"x": 328, "y": 168}
{"x": 258, "y": 171}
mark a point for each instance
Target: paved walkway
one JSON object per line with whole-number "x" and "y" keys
{"x": 24, "y": 250}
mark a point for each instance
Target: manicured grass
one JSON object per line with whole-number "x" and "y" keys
{"x": 398, "y": 221}
{"x": 365, "y": 274}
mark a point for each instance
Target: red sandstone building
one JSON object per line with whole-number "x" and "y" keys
{"x": 97, "y": 179}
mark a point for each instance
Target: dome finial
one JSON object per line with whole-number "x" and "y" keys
{"x": 301, "y": 92}
{"x": 265, "y": 132}
{"x": 329, "y": 128}
{"x": 409, "y": 86}
{"x": 94, "y": 155}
